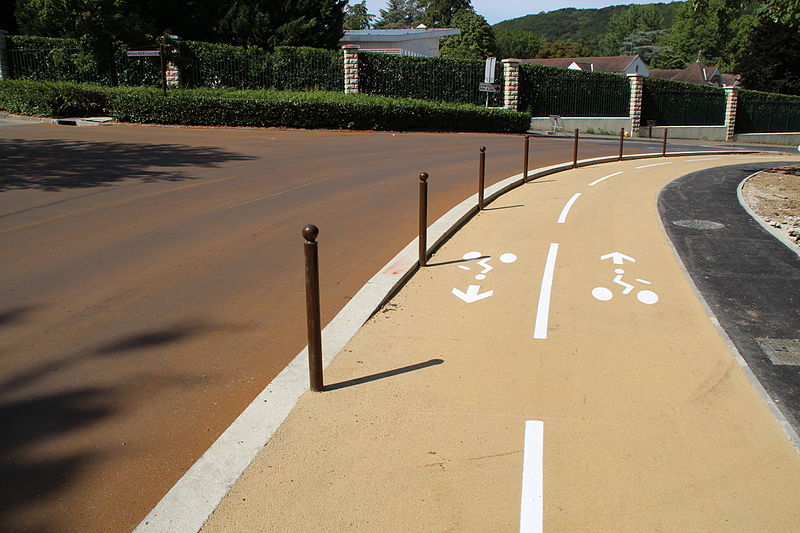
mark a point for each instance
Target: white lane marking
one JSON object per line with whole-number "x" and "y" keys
{"x": 654, "y": 165}
{"x": 531, "y": 516}
{"x": 564, "y": 212}
{"x": 543, "y": 310}
{"x": 595, "y": 182}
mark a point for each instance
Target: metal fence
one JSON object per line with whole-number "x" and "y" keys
{"x": 670, "y": 103}
{"x": 759, "y": 112}
{"x": 427, "y": 78}
{"x": 555, "y": 91}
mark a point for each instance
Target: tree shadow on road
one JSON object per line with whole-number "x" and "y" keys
{"x": 55, "y": 164}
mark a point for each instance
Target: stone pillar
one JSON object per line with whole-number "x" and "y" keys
{"x": 511, "y": 84}
{"x": 731, "y": 103}
{"x": 5, "y": 67}
{"x": 350, "y": 68}
{"x": 173, "y": 73}
{"x": 637, "y": 91}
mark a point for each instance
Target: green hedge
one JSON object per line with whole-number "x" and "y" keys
{"x": 308, "y": 110}
{"x": 426, "y": 78}
{"x": 675, "y": 103}
{"x": 253, "y": 108}
{"x": 759, "y": 112}
{"x": 52, "y": 99}
{"x": 572, "y": 93}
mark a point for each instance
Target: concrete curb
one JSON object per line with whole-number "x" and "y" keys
{"x": 190, "y": 502}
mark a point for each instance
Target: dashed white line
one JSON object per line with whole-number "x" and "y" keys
{"x": 543, "y": 309}
{"x": 564, "y": 212}
{"x": 595, "y": 182}
{"x": 654, "y": 165}
{"x": 531, "y": 517}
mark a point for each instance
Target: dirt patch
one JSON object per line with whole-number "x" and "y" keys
{"x": 775, "y": 197}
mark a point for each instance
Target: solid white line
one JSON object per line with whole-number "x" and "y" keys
{"x": 531, "y": 518}
{"x": 595, "y": 182}
{"x": 543, "y": 310}
{"x": 565, "y": 211}
{"x": 654, "y": 165}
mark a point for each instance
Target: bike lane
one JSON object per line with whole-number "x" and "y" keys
{"x": 521, "y": 382}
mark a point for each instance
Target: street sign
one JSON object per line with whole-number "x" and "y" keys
{"x": 144, "y": 53}
{"x": 489, "y": 87}
{"x": 488, "y": 71}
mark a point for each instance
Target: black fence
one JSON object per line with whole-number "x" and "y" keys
{"x": 672, "y": 103}
{"x": 759, "y": 112}
{"x": 570, "y": 93}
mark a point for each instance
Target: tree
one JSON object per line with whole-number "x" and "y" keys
{"x": 632, "y": 20}
{"x": 442, "y": 13}
{"x": 786, "y": 12}
{"x": 98, "y": 25}
{"x": 771, "y": 59}
{"x": 356, "y": 17}
{"x": 644, "y": 44}
{"x": 519, "y": 44}
{"x": 715, "y": 33}
{"x": 270, "y": 24}
{"x": 8, "y": 21}
{"x": 564, "y": 49}
{"x": 400, "y": 14}
{"x": 476, "y": 40}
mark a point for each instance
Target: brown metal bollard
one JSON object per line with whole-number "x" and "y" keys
{"x": 310, "y": 233}
{"x": 621, "y": 140}
{"x": 423, "y": 218}
{"x": 664, "y": 147}
{"x": 481, "y": 176}
{"x": 575, "y": 151}
{"x": 525, "y": 159}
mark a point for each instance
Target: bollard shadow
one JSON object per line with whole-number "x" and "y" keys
{"x": 503, "y": 207}
{"x": 382, "y": 375}
{"x": 453, "y": 262}
{"x": 55, "y": 164}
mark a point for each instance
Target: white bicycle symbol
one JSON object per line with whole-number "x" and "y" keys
{"x": 645, "y": 296}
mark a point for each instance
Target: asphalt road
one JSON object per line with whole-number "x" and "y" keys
{"x": 152, "y": 285}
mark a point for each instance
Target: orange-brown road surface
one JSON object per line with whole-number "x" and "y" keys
{"x": 151, "y": 286}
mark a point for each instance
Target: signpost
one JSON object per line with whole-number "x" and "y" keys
{"x": 153, "y": 53}
{"x": 488, "y": 85}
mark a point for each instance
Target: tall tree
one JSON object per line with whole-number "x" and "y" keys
{"x": 441, "y": 13}
{"x": 632, "y": 20}
{"x": 517, "y": 43}
{"x": 771, "y": 59}
{"x": 563, "y": 49}
{"x": 268, "y": 24}
{"x": 8, "y": 21}
{"x": 476, "y": 40}
{"x": 356, "y": 17}
{"x": 400, "y": 14}
{"x": 715, "y": 33}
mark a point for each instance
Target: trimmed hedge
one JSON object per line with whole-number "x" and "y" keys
{"x": 308, "y": 110}
{"x": 208, "y": 107}
{"x": 676, "y": 103}
{"x": 52, "y": 98}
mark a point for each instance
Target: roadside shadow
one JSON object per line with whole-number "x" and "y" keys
{"x": 16, "y": 314}
{"x": 55, "y": 164}
{"x": 382, "y": 375}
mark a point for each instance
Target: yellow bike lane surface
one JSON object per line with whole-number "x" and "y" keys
{"x": 551, "y": 369}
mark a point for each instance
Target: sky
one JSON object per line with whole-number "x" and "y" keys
{"x": 498, "y": 10}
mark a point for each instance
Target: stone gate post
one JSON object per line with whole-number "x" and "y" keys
{"x": 637, "y": 91}
{"x": 350, "y": 68}
{"x": 511, "y": 84}
{"x": 731, "y": 104}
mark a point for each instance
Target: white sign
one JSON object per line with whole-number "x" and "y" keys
{"x": 473, "y": 292}
{"x": 143, "y": 53}
{"x": 604, "y": 294}
{"x": 488, "y": 72}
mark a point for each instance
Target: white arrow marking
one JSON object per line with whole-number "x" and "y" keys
{"x": 472, "y": 294}
{"x": 617, "y": 257}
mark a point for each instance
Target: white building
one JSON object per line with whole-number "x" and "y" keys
{"x": 422, "y": 42}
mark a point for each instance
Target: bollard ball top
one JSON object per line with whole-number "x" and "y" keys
{"x": 483, "y": 148}
{"x": 310, "y": 232}
{"x": 423, "y": 177}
